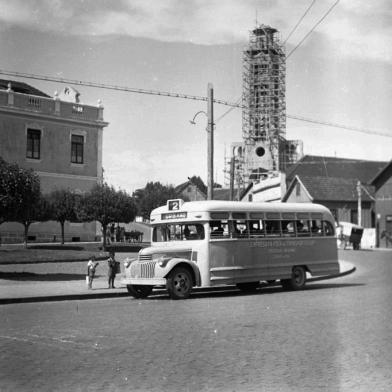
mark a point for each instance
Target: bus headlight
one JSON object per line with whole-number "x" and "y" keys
{"x": 128, "y": 262}
{"x": 161, "y": 260}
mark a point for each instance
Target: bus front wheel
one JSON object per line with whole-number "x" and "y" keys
{"x": 179, "y": 283}
{"x": 297, "y": 280}
{"x": 139, "y": 291}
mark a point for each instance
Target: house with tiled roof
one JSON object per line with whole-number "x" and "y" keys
{"x": 340, "y": 195}
{"x": 337, "y": 183}
{"x": 191, "y": 191}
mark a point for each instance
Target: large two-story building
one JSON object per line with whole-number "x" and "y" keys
{"x": 61, "y": 140}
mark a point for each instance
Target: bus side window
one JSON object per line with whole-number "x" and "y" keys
{"x": 302, "y": 226}
{"x": 316, "y": 228}
{"x": 328, "y": 228}
{"x": 288, "y": 228}
{"x": 272, "y": 228}
{"x": 256, "y": 228}
{"x": 219, "y": 229}
{"x": 239, "y": 228}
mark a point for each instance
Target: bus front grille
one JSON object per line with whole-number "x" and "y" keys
{"x": 144, "y": 270}
{"x": 145, "y": 257}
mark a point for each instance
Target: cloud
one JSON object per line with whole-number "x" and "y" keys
{"x": 357, "y": 27}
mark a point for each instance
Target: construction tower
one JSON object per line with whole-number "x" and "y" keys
{"x": 264, "y": 103}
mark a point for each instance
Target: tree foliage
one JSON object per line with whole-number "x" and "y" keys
{"x": 20, "y": 195}
{"x": 152, "y": 196}
{"x": 63, "y": 207}
{"x": 107, "y": 205}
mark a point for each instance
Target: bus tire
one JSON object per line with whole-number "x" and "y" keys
{"x": 297, "y": 280}
{"x": 139, "y": 291}
{"x": 248, "y": 286}
{"x": 179, "y": 283}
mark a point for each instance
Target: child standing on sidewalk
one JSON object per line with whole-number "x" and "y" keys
{"x": 91, "y": 266}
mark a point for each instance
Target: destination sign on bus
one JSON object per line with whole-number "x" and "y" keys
{"x": 174, "y": 215}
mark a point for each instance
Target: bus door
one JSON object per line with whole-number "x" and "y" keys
{"x": 221, "y": 250}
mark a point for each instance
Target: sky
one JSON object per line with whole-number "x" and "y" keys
{"x": 341, "y": 73}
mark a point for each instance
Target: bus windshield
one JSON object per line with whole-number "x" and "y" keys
{"x": 178, "y": 232}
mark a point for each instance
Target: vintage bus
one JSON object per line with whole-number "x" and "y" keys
{"x": 213, "y": 243}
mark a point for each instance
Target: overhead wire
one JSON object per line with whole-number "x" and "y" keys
{"x": 313, "y": 28}
{"x": 299, "y": 22}
{"x": 232, "y": 105}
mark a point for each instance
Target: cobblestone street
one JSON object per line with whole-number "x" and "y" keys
{"x": 334, "y": 335}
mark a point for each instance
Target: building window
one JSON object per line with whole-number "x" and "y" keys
{"x": 33, "y": 149}
{"x": 77, "y": 144}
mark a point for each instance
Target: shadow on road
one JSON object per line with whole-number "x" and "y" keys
{"x": 263, "y": 290}
{"x": 30, "y": 276}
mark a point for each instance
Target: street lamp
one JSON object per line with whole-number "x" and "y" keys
{"x": 210, "y": 140}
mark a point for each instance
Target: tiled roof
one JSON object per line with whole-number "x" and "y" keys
{"x": 334, "y": 189}
{"x": 23, "y": 88}
{"x": 382, "y": 176}
{"x": 316, "y": 166}
{"x": 223, "y": 193}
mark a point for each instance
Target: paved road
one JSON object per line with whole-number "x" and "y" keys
{"x": 333, "y": 336}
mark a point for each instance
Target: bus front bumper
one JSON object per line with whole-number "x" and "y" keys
{"x": 144, "y": 282}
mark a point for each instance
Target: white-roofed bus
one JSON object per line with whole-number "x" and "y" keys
{"x": 214, "y": 243}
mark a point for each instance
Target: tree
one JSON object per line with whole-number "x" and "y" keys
{"x": 62, "y": 207}
{"x": 152, "y": 196}
{"x": 20, "y": 195}
{"x": 106, "y": 205}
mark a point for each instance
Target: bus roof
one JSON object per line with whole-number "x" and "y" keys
{"x": 241, "y": 206}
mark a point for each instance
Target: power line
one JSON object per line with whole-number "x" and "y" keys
{"x": 299, "y": 22}
{"x": 230, "y": 109}
{"x": 334, "y": 125}
{"x": 232, "y": 105}
{"x": 312, "y": 29}
{"x": 110, "y": 87}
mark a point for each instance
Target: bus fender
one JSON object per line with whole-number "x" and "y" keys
{"x": 188, "y": 263}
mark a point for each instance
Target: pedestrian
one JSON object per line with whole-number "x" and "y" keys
{"x": 112, "y": 270}
{"x": 91, "y": 266}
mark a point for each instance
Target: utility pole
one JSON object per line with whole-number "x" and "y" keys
{"x": 359, "y": 192}
{"x": 232, "y": 174}
{"x": 210, "y": 142}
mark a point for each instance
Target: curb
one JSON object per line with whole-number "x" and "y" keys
{"x": 63, "y": 297}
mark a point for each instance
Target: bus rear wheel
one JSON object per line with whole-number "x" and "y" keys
{"x": 248, "y": 287}
{"x": 179, "y": 283}
{"x": 297, "y": 280}
{"x": 139, "y": 291}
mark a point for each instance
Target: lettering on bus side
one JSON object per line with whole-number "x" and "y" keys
{"x": 282, "y": 244}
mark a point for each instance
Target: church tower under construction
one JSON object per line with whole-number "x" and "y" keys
{"x": 264, "y": 146}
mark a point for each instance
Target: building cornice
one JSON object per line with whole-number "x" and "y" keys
{"x": 51, "y": 118}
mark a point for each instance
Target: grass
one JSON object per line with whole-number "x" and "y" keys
{"x": 15, "y": 254}
{"x": 47, "y": 253}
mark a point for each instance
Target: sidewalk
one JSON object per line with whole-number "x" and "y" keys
{"x": 39, "y": 291}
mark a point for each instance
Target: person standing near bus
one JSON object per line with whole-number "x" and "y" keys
{"x": 112, "y": 270}
{"x": 91, "y": 266}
